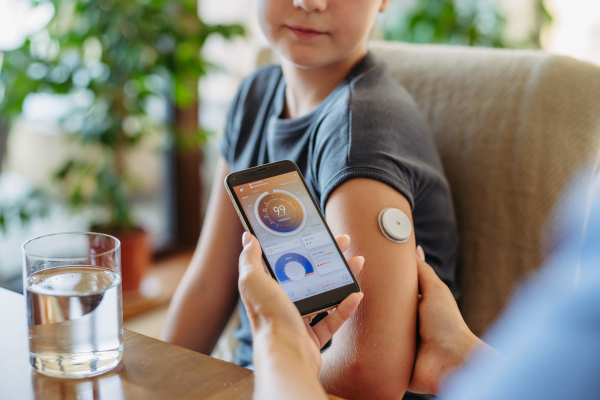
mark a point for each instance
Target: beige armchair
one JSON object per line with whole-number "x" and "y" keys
{"x": 511, "y": 127}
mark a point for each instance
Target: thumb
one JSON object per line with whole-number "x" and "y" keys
{"x": 428, "y": 279}
{"x": 250, "y": 259}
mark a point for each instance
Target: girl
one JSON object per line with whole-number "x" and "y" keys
{"x": 362, "y": 146}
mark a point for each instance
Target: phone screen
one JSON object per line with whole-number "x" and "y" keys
{"x": 293, "y": 236}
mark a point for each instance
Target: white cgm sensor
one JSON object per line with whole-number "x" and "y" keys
{"x": 394, "y": 225}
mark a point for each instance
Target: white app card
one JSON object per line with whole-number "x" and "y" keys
{"x": 326, "y": 260}
{"x": 281, "y": 247}
{"x": 317, "y": 239}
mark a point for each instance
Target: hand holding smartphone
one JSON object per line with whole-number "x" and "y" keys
{"x": 299, "y": 251}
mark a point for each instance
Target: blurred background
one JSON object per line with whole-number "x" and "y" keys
{"x": 111, "y": 113}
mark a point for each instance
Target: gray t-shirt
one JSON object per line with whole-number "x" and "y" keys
{"x": 368, "y": 127}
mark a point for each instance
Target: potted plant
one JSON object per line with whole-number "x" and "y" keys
{"x": 113, "y": 58}
{"x": 479, "y": 23}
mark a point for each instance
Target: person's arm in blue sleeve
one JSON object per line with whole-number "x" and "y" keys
{"x": 549, "y": 333}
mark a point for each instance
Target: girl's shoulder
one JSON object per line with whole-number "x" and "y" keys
{"x": 376, "y": 96}
{"x": 376, "y": 120}
{"x": 375, "y": 107}
{"x": 260, "y": 84}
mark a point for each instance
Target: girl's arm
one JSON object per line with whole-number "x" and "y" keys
{"x": 207, "y": 294}
{"x": 372, "y": 356}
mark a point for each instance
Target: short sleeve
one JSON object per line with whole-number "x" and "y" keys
{"x": 379, "y": 134}
{"x": 248, "y": 108}
{"x": 397, "y": 182}
{"x": 231, "y": 128}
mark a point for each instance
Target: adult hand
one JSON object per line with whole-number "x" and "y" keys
{"x": 269, "y": 308}
{"x": 444, "y": 340}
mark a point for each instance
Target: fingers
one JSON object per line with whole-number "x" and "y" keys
{"x": 329, "y": 325}
{"x": 343, "y": 242}
{"x": 420, "y": 253}
{"x": 428, "y": 279}
{"x": 356, "y": 264}
{"x": 250, "y": 259}
{"x": 246, "y": 238}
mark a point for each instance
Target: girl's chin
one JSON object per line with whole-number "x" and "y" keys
{"x": 307, "y": 57}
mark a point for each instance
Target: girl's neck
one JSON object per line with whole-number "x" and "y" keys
{"x": 307, "y": 88}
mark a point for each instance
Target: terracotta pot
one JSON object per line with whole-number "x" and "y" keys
{"x": 135, "y": 257}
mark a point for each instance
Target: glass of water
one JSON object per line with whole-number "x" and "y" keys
{"x": 73, "y": 286}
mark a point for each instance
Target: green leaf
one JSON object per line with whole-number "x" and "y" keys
{"x": 461, "y": 22}
{"x": 2, "y": 222}
{"x": 64, "y": 170}
{"x": 138, "y": 40}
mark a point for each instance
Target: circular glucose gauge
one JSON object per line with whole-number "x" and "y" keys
{"x": 292, "y": 266}
{"x": 280, "y": 213}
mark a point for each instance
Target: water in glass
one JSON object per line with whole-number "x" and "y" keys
{"x": 75, "y": 320}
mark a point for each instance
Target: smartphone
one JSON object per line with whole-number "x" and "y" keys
{"x": 299, "y": 251}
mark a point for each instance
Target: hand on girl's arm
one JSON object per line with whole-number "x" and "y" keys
{"x": 287, "y": 356}
{"x": 445, "y": 340}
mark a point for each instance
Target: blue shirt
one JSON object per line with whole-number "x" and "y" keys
{"x": 550, "y": 333}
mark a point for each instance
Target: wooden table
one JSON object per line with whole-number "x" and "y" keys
{"x": 151, "y": 369}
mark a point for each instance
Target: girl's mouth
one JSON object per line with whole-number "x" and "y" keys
{"x": 303, "y": 32}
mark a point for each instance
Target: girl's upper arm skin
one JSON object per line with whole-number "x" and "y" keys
{"x": 372, "y": 355}
{"x": 207, "y": 294}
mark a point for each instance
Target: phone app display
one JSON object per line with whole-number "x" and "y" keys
{"x": 293, "y": 236}
{"x": 292, "y": 266}
{"x": 280, "y": 212}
